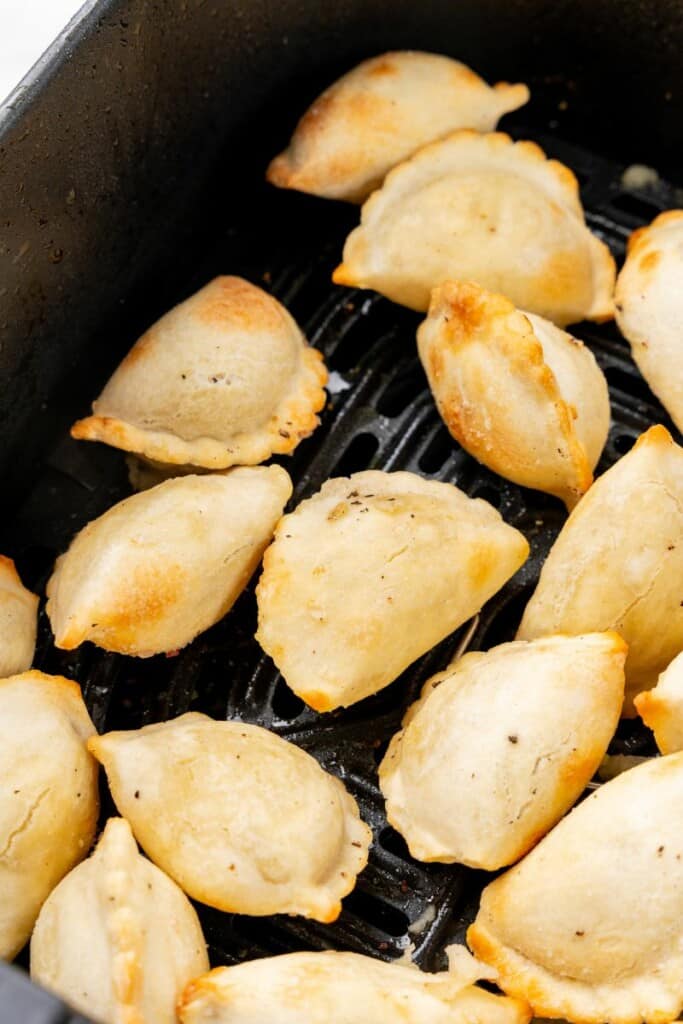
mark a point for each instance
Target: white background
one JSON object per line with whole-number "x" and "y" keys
{"x": 27, "y": 27}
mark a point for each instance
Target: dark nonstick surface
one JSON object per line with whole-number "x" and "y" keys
{"x": 380, "y": 415}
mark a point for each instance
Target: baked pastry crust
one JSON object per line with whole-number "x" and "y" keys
{"x": 381, "y": 112}
{"x": 344, "y": 988}
{"x": 618, "y": 562}
{"x": 117, "y": 939}
{"x": 18, "y": 621}
{"x": 587, "y": 927}
{"x": 224, "y": 379}
{"x": 649, "y": 307}
{"x": 482, "y": 208}
{"x": 49, "y": 798}
{"x": 241, "y": 819}
{"x": 372, "y": 572}
{"x": 662, "y": 707}
{"x": 501, "y": 745}
{"x": 162, "y": 566}
{"x": 518, "y": 393}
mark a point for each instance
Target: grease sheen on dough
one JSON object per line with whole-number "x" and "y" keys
{"x": 381, "y": 112}
{"x": 160, "y": 567}
{"x": 618, "y": 562}
{"x": 501, "y": 745}
{"x": 588, "y": 926}
{"x": 649, "y": 307}
{"x": 224, "y": 379}
{"x": 18, "y": 621}
{"x": 49, "y": 799}
{"x": 662, "y": 707}
{"x": 482, "y": 208}
{"x": 344, "y": 988}
{"x": 372, "y": 572}
{"x": 241, "y": 819}
{"x": 117, "y": 939}
{"x": 519, "y": 394}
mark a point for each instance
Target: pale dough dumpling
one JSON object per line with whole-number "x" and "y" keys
{"x": 161, "y": 567}
{"x": 519, "y": 394}
{"x": 224, "y": 379}
{"x": 48, "y": 799}
{"x": 662, "y": 708}
{"x": 379, "y": 114}
{"x": 344, "y": 988}
{"x": 117, "y": 939}
{"x": 618, "y": 563}
{"x": 241, "y": 819}
{"x": 649, "y": 307}
{"x": 501, "y": 745}
{"x": 589, "y": 926}
{"x": 369, "y": 574}
{"x": 482, "y": 208}
{"x": 18, "y": 621}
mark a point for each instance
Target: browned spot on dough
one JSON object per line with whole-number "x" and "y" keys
{"x": 649, "y": 261}
{"x": 141, "y": 348}
{"x": 146, "y": 597}
{"x": 382, "y": 67}
{"x": 232, "y": 302}
{"x": 338, "y": 512}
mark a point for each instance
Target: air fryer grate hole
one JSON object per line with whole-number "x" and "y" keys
{"x": 357, "y": 337}
{"x": 400, "y": 393}
{"x": 636, "y": 206}
{"x": 436, "y": 453}
{"x": 394, "y": 843}
{"x": 629, "y": 383}
{"x": 490, "y": 494}
{"x": 624, "y": 442}
{"x": 383, "y": 916}
{"x": 285, "y": 702}
{"x": 358, "y": 455}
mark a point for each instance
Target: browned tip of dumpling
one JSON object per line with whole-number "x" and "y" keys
{"x": 280, "y": 171}
{"x": 342, "y": 275}
{"x": 657, "y": 435}
{"x": 513, "y": 95}
{"x": 641, "y": 235}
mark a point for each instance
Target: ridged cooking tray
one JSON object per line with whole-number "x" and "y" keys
{"x": 380, "y": 415}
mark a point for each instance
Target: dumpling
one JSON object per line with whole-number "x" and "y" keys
{"x": 588, "y": 926}
{"x": 618, "y": 563}
{"x": 501, "y": 745}
{"x": 369, "y": 574}
{"x": 662, "y": 708}
{"x": 344, "y": 988}
{"x": 241, "y": 819}
{"x": 381, "y": 112}
{"x": 649, "y": 307}
{"x": 519, "y": 394}
{"x": 117, "y": 939}
{"x": 224, "y": 379}
{"x": 162, "y": 566}
{"x": 18, "y": 621}
{"x": 48, "y": 799}
{"x": 486, "y": 209}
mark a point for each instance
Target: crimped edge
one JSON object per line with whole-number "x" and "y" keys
{"x": 295, "y": 420}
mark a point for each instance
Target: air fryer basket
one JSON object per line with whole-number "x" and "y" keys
{"x": 380, "y": 415}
